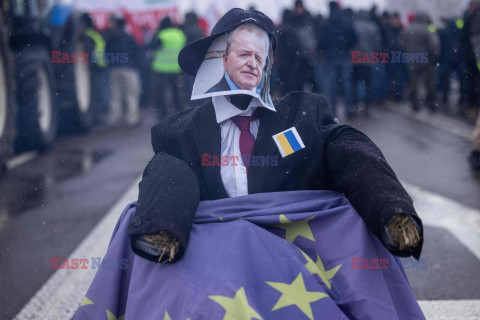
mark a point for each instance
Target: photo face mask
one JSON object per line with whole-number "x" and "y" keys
{"x": 216, "y": 78}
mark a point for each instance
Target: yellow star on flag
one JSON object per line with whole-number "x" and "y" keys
{"x": 295, "y": 229}
{"x": 318, "y": 268}
{"x": 296, "y": 294}
{"x": 86, "y": 301}
{"x": 111, "y": 316}
{"x": 237, "y": 307}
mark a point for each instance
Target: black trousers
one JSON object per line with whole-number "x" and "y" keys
{"x": 422, "y": 75}
{"x": 167, "y": 93}
{"x": 362, "y": 73}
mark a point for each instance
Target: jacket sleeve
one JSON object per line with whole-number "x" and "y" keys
{"x": 475, "y": 35}
{"x": 169, "y": 195}
{"x": 359, "y": 170}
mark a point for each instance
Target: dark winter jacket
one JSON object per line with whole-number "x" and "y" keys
{"x": 337, "y": 37}
{"x": 418, "y": 39}
{"x": 369, "y": 37}
{"x": 191, "y": 29}
{"x": 120, "y": 43}
{"x": 471, "y": 36}
{"x": 451, "y": 51}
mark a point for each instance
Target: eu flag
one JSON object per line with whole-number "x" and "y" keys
{"x": 282, "y": 255}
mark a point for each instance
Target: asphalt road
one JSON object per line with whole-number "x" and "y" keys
{"x": 434, "y": 159}
{"x": 52, "y": 202}
{"x": 49, "y": 204}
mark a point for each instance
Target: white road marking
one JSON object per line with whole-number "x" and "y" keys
{"x": 460, "y": 220}
{"x": 451, "y": 309}
{"x": 61, "y": 295}
{"x": 20, "y": 159}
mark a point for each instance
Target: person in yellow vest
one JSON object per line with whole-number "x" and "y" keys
{"x": 95, "y": 45}
{"x": 167, "y": 80}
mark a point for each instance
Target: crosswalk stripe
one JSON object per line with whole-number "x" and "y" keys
{"x": 451, "y": 309}
{"x": 460, "y": 220}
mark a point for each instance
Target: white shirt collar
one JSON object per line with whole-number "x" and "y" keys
{"x": 225, "y": 110}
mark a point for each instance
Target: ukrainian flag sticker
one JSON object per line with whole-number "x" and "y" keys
{"x": 288, "y": 141}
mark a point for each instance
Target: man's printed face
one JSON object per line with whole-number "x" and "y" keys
{"x": 246, "y": 59}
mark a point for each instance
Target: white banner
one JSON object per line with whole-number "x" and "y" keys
{"x": 129, "y": 5}
{"x": 142, "y": 16}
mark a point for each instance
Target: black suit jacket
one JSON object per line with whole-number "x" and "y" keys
{"x": 336, "y": 157}
{"x": 222, "y": 85}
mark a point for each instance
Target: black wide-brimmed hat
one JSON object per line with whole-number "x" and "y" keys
{"x": 191, "y": 56}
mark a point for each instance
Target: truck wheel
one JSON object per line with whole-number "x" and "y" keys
{"x": 7, "y": 102}
{"x": 83, "y": 90}
{"x": 75, "y": 89}
{"x": 36, "y": 100}
{"x": 74, "y": 83}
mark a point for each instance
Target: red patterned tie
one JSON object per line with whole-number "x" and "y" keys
{"x": 247, "y": 141}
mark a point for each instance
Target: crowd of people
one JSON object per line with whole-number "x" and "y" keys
{"x": 361, "y": 56}
{"x": 369, "y": 58}
{"x": 146, "y": 75}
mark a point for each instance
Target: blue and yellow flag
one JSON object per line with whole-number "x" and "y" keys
{"x": 288, "y": 141}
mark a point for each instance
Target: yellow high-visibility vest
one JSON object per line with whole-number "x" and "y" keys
{"x": 459, "y": 23}
{"x": 166, "y": 58}
{"x": 99, "y": 46}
